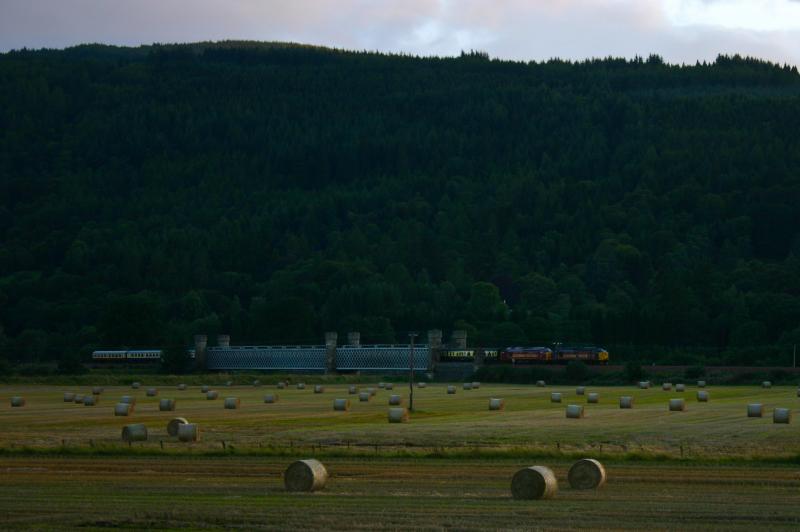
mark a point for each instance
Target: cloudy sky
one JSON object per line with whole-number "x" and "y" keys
{"x": 680, "y": 30}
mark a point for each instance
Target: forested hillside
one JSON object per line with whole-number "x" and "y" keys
{"x": 274, "y": 192}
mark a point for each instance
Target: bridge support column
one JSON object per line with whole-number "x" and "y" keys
{"x": 331, "y": 339}
{"x": 435, "y": 344}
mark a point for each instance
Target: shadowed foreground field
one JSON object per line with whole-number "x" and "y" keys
{"x": 247, "y": 492}
{"x": 717, "y": 429}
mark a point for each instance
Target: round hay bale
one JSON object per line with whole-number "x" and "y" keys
{"x": 680, "y": 388}
{"x": 174, "y": 424}
{"x": 97, "y": 390}
{"x": 372, "y": 392}
{"x": 151, "y": 392}
{"x": 232, "y": 403}
{"x": 667, "y": 386}
{"x": 586, "y": 474}
{"x": 555, "y": 397}
{"x": 301, "y": 386}
{"x": 574, "y": 411}
{"x": 702, "y": 396}
{"x": 69, "y": 397}
{"x": 381, "y": 385}
{"x": 535, "y": 482}
{"x": 467, "y": 386}
{"x": 495, "y": 403}
{"x": 755, "y": 410}
{"x": 626, "y": 401}
{"x": 352, "y": 390}
{"x": 644, "y": 385}
{"x": 305, "y": 475}
{"x": 389, "y": 386}
{"x": 123, "y": 409}
{"x": 341, "y": 405}
{"x": 476, "y": 385}
{"x": 540, "y": 384}
{"x": 677, "y": 405}
{"x": 89, "y": 400}
{"x": 17, "y": 401}
{"x": 78, "y": 398}
{"x": 398, "y": 415}
{"x": 424, "y": 384}
{"x": 395, "y": 400}
{"x": 451, "y": 390}
{"x": 205, "y": 388}
{"x": 593, "y": 397}
{"x": 580, "y": 390}
{"x": 136, "y": 385}
{"x": 228, "y": 383}
{"x": 701, "y": 384}
{"x": 319, "y": 388}
{"x": 134, "y": 432}
{"x": 182, "y": 387}
{"x": 212, "y": 394}
{"x": 188, "y": 432}
{"x": 281, "y": 385}
{"x": 271, "y": 398}
{"x": 256, "y": 383}
{"x": 130, "y": 399}
{"x": 781, "y": 415}
{"x": 166, "y": 405}
{"x": 364, "y": 397}
{"x": 766, "y": 384}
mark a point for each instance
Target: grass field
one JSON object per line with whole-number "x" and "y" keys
{"x": 64, "y": 465}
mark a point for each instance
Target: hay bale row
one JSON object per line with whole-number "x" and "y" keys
{"x": 174, "y": 425}
{"x": 212, "y": 395}
{"x": 232, "y": 403}
{"x": 17, "y": 401}
{"x": 395, "y": 400}
{"x": 782, "y": 415}
{"x": 341, "y": 405}
{"x": 574, "y": 411}
{"x": 271, "y": 398}
{"x": 702, "y": 396}
{"x": 626, "y": 401}
{"x": 134, "y": 432}
{"x": 123, "y": 409}
{"x": 166, "y": 405}
{"x": 535, "y": 482}
{"x": 496, "y": 403}
{"x": 451, "y": 390}
{"x": 305, "y": 475}
{"x": 755, "y": 410}
{"x": 398, "y": 415}
{"x": 586, "y": 474}
{"x": 555, "y": 397}
{"x": 593, "y": 398}
{"x": 677, "y": 405}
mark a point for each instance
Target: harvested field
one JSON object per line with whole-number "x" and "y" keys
{"x": 716, "y": 429}
{"x": 365, "y": 494}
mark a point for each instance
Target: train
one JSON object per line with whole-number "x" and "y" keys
{"x": 556, "y": 355}
{"x": 131, "y": 355}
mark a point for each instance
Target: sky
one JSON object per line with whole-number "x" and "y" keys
{"x": 682, "y": 31}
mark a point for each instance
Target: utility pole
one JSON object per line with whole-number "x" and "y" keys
{"x": 794, "y": 357}
{"x": 411, "y": 336}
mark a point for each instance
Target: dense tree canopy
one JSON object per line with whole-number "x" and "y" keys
{"x": 274, "y": 192}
